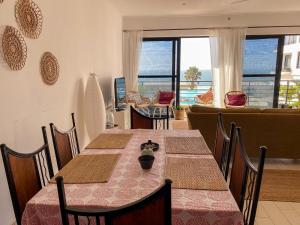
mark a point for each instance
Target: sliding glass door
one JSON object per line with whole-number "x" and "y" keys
{"x": 183, "y": 65}
{"x": 290, "y": 75}
{"x": 195, "y": 65}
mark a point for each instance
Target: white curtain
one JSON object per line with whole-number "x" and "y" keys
{"x": 132, "y": 43}
{"x": 227, "y": 50}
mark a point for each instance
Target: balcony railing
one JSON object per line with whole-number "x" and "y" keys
{"x": 260, "y": 91}
{"x": 189, "y": 90}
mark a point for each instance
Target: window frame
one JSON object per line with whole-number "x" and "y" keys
{"x": 277, "y": 74}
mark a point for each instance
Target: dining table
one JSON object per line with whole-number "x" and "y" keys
{"x": 129, "y": 182}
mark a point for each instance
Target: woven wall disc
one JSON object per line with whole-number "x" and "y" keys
{"x": 14, "y": 48}
{"x": 49, "y": 68}
{"x": 29, "y": 18}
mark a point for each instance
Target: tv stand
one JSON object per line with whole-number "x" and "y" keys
{"x": 122, "y": 117}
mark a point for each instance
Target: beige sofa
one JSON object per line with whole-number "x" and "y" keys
{"x": 278, "y": 129}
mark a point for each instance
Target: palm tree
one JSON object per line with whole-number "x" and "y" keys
{"x": 192, "y": 74}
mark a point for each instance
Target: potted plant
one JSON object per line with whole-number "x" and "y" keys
{"x": 179, "y": 113}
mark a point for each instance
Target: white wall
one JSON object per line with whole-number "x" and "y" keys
{"x": 85, "y": 36}
{"x": 235, "y": 20}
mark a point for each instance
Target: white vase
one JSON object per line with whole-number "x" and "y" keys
{"x": 95, "y": 115}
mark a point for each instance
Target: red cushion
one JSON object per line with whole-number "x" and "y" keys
{"x": 165, "y": 97}
{"x": 236, "y": 99}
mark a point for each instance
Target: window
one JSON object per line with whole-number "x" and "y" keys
{"x": 287, "y": 59}
{"x": 290, "y": 39}
{"x": 260, "y": 56}
{"x": 157, "y": 66}
{"x": 156, "y": 58}
{"x": 261, "y": 70}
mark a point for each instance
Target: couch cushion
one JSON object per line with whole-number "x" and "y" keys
{"x": 205, "y": 109}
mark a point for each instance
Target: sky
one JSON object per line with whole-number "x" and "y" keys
{"x": 195, "y": 52}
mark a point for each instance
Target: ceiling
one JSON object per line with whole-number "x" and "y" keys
{"x": 202, "y": 7}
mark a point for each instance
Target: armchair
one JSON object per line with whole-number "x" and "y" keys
{"x": 164, "y": 99}
{"x": 235, "y": 99}
{"x": 205, "y": 99}
{"x": 134, "y": 97}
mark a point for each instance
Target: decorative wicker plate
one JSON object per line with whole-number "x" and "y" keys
{"x": 29, "y": 18}
{"x": 49, "y": 68}
{"x": 14, "y": 48}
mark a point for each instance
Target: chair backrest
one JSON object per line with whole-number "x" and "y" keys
{"x": 65, "y": 144}
{"x": 134, "y": 97}
{"x": 245, "y": 180}
{"x": 166, "y": 97}
{"x": 141, "y": 121}
{"x": 235, "y": 99}
{"x": 154, "y": 209}
{"x": 26, "y": 174}
{"x": 206, "y": 98}
{"x": 223, "y": 145}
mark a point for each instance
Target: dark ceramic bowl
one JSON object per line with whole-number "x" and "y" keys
{"x": 154, "y": 146}
{"x": 146, "y": 161}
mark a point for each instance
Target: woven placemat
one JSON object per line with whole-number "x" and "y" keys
{"x": 110, "y": 141}
{"x": 195, "y": 173}
{"x": 186, "y": 145}
{"x": 86, "y": 169}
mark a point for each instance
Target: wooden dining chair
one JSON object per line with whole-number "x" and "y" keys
{"x": 141, "y": 121}
{"x": 65, "y": 143}
{"x": 26, "y": 174}
{"x": 223, "y": 145}
{"x": 246, "y": 179}
{"x": 154, "y": 209}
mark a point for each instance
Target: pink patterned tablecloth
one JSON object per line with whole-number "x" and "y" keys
{"x": 129, "y": 183}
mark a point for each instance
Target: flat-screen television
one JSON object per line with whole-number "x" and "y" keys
{"x": 120, "y": 93}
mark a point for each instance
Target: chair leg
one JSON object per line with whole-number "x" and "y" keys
{"x": 173, "y": 112}
{"x": 148, "y": 111}
{"x": 154, "y": 111}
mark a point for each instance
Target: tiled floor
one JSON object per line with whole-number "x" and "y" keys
{"x": 269, "y": 212}
{"x": 278, "y": 213}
